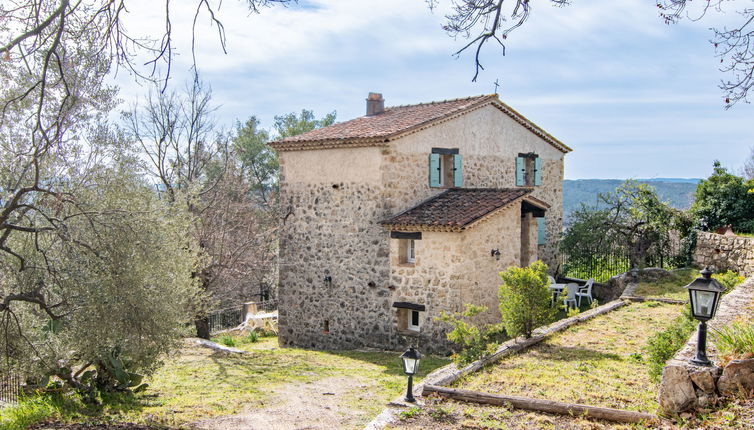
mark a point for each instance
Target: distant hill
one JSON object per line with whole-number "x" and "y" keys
{"x": 678, "y": 192}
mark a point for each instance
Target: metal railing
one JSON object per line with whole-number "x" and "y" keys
{"x": 264, "y": 306}
{"x": 226, "y": 318}
{"x": 613, "y": 259}
{"x": 10, "y": 388}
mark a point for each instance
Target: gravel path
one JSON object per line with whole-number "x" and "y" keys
{"x": 322, "y": 404}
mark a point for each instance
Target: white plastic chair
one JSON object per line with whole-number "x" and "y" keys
{"x": 585, "y": 291}
{"x": 555, "y": 292}
{"x": 571, "y": 298}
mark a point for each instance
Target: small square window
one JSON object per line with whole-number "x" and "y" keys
{"x": 407, "y": 251}
{"x": 409, "y": 321}
{"x": 411, "y": 251}
{"x": 413, "y": 320}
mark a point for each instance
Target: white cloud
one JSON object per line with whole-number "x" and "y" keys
{"x": 607, "y": 77}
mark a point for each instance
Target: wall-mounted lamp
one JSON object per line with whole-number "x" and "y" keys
{"x": 495, "y": 253}
{"x": 328, "y": 281}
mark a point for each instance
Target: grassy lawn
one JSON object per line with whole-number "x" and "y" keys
{"x": 199, "y": 383}
{"x": 669, "y": 288}
{"x": 597, "y": 363}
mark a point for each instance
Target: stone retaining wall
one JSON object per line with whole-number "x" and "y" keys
{"x": 721, "y": 252}
{"x": 685, "y": 386}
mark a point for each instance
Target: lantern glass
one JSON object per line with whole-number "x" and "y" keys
{"x": 703, "y": 303}
{"x": 411, "y": 360}
{"x": 410, "y": 365}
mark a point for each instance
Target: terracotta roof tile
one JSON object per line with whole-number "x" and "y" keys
{"x": 397, "y": 120}
{"x": 457, "y": 207}
{"x": 393, "y": 120}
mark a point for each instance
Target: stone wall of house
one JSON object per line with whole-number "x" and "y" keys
{"x": 456, "y": 268}
{"x": 685, "y": 386}
{"x": 489, "y": 142}
{"x": 331, "y": 203}
{"x": 720, "y": 252}
{"x": 333, "y": 232}
{"x": 430, "y": 281}
{"x": 479, "y": 272}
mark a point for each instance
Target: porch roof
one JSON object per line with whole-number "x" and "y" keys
{"x": 456, "y": 209}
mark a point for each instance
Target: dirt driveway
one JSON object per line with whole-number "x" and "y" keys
{"x": 321, "y": 404}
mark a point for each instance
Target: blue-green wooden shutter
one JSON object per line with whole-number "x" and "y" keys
{"x": 434, "y": 170}
{"x": 537, "y": 171}
{"x": 457, "y": 171}
{"x": 520, "y": 171}
{"x": 540, "y": 231}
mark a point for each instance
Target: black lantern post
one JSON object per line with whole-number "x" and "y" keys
{"x": 704, "y": 296}
{"x": 411, "y": 360}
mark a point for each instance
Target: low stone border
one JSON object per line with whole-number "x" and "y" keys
{"x": 215, "y": 346}
{"x": 543, "y": 405}
{"x": 684, "y": 385}
{"x": 448, "y": 374}
{"x": 654, "y": 299}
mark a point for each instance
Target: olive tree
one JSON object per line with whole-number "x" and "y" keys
{"x": 100, "y": 299}
{"x": 631, "y": 218}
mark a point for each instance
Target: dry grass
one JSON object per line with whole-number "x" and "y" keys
{"x": 198, "y": 383}
{"x": 738, "y": 414}
{"x": 450, "y": 414}
{"x": 596, "y": 363}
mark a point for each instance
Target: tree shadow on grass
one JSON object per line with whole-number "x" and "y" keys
{"x": 571, "y": 353}
{"x": 391, "y": 361}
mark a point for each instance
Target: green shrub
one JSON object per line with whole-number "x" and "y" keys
{"x": 735, "y": 341}
{"x": 410, "y": 413}
{"x": 227, "y": 340}
{"x": 663, "y": 345}
{"x": 572, "y": 312}
{"x": 729, "y": 279}
{"x": 475, "y": 341}
{"x": 253, "y": 337}
{"x": 525, "y": 299}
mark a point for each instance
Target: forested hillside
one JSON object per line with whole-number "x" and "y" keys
{"x": 678, "y": 192}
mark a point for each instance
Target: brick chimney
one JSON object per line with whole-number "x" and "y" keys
{"x": 375, "y": 104}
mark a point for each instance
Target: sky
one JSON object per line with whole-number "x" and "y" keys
{"x": 633, "y": 97}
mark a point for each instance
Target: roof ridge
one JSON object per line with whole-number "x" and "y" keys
{"x": 492, "y": 189}
{"x": 437, "y": 102}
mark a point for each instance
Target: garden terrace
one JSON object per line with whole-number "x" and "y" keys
{"x": 597, "y": 363}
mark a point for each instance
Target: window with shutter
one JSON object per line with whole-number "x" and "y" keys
{"x": 445, "y": 168}
{"x": 520, "y": 171}
{"x": 457, "y": 171}
{"x": 434, "y": 170}
{"x": 528, "y": 170}
{"x": 541, "y": 231}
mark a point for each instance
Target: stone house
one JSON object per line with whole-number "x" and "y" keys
{"x": 390, "y": 219}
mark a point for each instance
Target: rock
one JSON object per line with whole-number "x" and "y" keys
{"x": 676, "y": 390}
{"x": 737, "y": 376}
{"x": 705, "y": 379}
{"x": 653, "y": 274}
